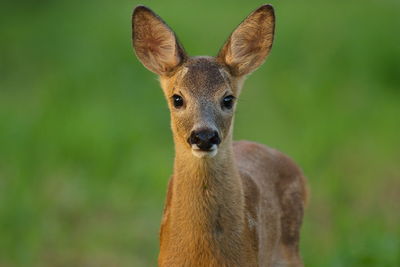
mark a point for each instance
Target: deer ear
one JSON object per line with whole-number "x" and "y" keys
{"x": 155, "y": 44}
{"x": 249, "y": 44}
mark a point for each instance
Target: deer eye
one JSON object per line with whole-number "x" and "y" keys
{"x": 227, "y": 102}
{"x": 178, "y": 101}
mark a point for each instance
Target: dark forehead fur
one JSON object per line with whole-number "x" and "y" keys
{"x": 203, "y": 75}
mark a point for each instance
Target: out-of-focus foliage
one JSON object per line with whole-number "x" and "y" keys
{"x": 86, "y": 149}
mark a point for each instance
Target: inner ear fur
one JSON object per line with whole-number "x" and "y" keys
{"x": 250, "y": 43}
{"x": 155, "y": 44}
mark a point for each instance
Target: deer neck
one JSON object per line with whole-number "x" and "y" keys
{"x": 207, "y": 204}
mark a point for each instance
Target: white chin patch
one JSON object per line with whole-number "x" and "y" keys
{"x": 204, "y": 154}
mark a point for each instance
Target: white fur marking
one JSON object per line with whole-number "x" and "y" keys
{"x": 183, "y": 72}
{"x": 224, "y": 75}
{"x": 204, "y": 154}
{"x": 252, "y": 223}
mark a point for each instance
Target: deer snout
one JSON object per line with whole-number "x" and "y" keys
{"x": 205, "y": 139}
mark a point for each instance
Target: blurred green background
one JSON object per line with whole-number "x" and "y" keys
{"x": 86, "y": 149}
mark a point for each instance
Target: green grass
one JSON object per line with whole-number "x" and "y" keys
{"x": 86, "y": 149}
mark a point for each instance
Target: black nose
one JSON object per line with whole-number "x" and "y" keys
{"x": 204, "y": 139}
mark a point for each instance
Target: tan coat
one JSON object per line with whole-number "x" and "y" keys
{"x": 239, "y": 203}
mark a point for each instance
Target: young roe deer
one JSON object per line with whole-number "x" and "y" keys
{"x": 228, "y": 203}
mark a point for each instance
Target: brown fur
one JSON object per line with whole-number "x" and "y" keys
{"x": 245, "y": 50}
{"x": 244, "y": 206}
{"x": 155, "y": 43}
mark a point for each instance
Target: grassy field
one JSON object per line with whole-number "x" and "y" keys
{"x": 86, "y": 149}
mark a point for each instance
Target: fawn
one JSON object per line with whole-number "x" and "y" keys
{"x": 228, "y": 203}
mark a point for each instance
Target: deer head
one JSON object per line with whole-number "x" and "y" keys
{"x": 201, "y": 91}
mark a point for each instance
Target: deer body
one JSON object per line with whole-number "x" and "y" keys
{"x": 228, "y": 203}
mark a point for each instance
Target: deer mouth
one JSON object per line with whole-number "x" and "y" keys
{"x": 201, "y": 153}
